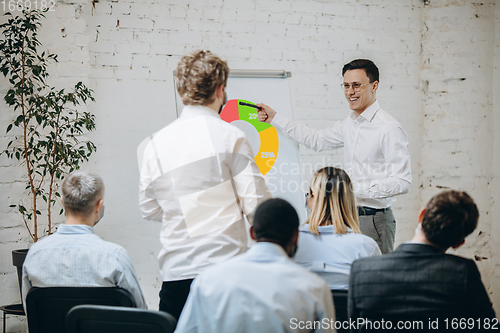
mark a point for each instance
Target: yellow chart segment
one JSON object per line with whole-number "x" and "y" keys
{"x": 269, "y": 145}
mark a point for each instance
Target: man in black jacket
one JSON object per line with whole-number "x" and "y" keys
{"x": 420, "y": 281}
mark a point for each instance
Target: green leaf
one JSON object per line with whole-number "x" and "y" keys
{"x": 9, "y": 128}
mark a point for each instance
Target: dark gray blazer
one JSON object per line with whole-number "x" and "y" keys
{"x": 417, "y": 280}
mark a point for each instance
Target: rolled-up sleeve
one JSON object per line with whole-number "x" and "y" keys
{"x": 149, "y": 207}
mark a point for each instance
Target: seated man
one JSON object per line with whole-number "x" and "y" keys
{"x": 74, "y": 256}
{"x": 419, "y": 280}
{"x": 262, "y": 290}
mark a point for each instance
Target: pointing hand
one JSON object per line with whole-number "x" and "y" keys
{"x": 266, "y": 113}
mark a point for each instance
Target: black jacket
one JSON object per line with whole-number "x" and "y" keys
{"x": 417, "y": 281}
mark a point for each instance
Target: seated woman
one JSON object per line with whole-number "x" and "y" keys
{"x": 331, "y": 240}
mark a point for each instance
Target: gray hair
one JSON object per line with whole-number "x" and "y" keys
{"x": 80, "y": 192}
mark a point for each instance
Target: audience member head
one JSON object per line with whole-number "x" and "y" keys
{"x": 201, "y": 78}
{"x": 82, "y": 198}
{"x": 276, "y": 221}
{"x": 448, "y": 218}
{"x": 332, "y": 201}
{"x": 368, "y": 66}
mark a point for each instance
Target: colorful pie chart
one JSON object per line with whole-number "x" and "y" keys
{"x": 239, "y": 109}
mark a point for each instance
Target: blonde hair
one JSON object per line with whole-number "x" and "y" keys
{"x": 334, "y": 202}
{"x": 198, "y": 75}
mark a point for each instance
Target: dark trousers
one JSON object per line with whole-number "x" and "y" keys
{"x": 173, "y": 296}
{"x": 380, "y": 225}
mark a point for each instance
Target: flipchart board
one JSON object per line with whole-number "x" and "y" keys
{"x": 276, "y": 155}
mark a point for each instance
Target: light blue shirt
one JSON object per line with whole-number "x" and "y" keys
{"x": 75, "y": 257}
{"x": 330, "y": 255}
{"x": 259, "y": 291}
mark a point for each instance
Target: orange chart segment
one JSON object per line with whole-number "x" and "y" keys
{"x": 269, "y": 145}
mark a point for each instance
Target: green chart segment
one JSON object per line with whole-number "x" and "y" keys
{"x": 269, "y": 142}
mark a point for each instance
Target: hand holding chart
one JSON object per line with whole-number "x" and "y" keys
{"x": 266, "y": 113}
{"x": 237, "y": 109}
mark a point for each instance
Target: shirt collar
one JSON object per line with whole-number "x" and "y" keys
{"x": 322, "y": 229}
{"x": 266, "y": 249}
{"x": 67, "y": 229}
{"x": 191, "y": 111}
{"x": 369, "y": 113}
{"x": 418, "y": 248}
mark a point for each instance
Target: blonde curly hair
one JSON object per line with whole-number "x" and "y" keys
{"x": 198, "y": 75}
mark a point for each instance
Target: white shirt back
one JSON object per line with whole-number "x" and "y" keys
{"x": 260, "y": 291}
{"x": 198, "y": 177}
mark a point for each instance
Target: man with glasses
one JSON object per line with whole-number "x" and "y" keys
{"x": 375, "y": 145}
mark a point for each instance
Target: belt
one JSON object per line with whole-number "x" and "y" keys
{"x": 363, "y": 210}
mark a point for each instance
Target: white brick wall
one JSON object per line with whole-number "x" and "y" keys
{"x": 495, "y": 187}
{"x": 63, "y": 33}
{"x": 458, "y": 133}
{"x": 126, "y": 51}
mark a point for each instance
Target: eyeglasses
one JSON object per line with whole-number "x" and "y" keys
{"x": 355, "y": 86}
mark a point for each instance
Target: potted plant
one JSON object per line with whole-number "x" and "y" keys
{"x": 47, "y": 123}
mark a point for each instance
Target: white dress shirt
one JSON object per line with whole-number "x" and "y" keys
{"x": 198, "y": 177}
{"x": 75, "y": 257}
{"x": 376, "y": 156}
{"x": 330, "y": 255}
{"x": 260, "y": 291}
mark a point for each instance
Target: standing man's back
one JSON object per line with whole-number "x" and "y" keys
{"x": 198, "y": 177}
{"x": 419, "y": 280}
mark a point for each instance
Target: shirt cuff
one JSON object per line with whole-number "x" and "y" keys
{"x": 279, "y": 121}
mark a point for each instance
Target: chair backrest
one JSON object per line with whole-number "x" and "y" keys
{"x": 111, "y": 319}
{"x": 340, "y": 303}
{"x": 47, "y": 307}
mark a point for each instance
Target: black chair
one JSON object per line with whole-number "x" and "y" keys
{"x": 112, "y": 319}
{"x": 47, "y": 307}
{"x": 340, "y": 303}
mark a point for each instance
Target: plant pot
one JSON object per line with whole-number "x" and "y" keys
{"x": 18, "y": 257}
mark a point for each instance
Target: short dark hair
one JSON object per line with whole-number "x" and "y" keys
{"x": 275, "y": 220}
{"x": 369, "y": 66}
{"x": 449, "y": 217}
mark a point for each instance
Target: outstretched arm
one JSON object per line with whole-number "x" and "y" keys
{"x": 318, "y": 140}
